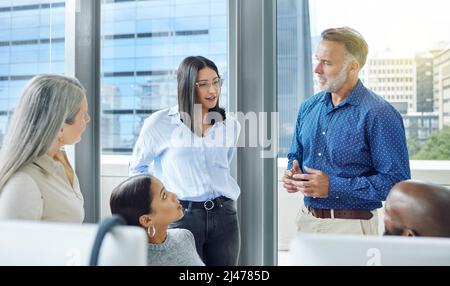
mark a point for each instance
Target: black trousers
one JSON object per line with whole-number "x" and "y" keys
{"x": 216, "y": 232}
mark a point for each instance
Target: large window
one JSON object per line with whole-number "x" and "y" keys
{"x": 408, "y": 65}
{"x": 143, "y": 43}
{"x": 294, "y": 86}
{"x": 31, "y": 42}
{"x": 408, "y": 62}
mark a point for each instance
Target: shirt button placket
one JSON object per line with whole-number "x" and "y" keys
{"x": 324, "y": 133}
{"x": 205, "y": 170}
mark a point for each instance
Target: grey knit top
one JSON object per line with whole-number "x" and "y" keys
{"x": 177, "y": 250}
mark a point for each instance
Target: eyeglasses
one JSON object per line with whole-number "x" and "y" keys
{"x": 206, "y": 85}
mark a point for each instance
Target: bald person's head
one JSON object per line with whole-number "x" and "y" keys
{"x": 416, "y": 208}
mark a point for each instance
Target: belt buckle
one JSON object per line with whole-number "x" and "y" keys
{"x": 205, "y": 205}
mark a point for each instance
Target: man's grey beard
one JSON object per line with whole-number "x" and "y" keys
{"x": 339, "y": 81}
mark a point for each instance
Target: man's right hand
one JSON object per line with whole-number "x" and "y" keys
{"x": 288, "y": 177}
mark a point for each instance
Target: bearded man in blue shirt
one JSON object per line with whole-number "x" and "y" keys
{"x": 349, "y": 146}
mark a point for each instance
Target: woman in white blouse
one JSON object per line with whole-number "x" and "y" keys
{"x": 192, "y": 145}
{"x": 37, "y": 181}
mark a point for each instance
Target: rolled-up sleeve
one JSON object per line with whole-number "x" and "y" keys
{"x": 143, "y": 152}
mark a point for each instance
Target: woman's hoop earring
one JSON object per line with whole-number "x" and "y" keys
{"x": 151, "y": 230}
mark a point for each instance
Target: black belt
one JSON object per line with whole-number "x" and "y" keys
{"x": 207, "y": 205}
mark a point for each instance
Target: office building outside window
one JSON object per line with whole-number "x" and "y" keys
{"x": 31, "y": 43}
{"x": 408, "y": 65}
{"x": 408, "y": 69}
{"x": 143, "y": 42}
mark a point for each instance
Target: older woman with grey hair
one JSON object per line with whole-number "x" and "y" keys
{"x": 37, "y": 181}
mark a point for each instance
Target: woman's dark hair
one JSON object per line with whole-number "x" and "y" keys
{"x": 187, "y": 97}
{"x": 132, "y": 198}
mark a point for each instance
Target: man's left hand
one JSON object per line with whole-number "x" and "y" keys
{"x": 314, "y": 184}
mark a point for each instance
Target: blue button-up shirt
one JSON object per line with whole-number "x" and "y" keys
{"x": 360, "y": 144}
{"x": 195, "y": 168}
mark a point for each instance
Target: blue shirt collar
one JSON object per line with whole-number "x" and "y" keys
{"x": 353, "y": 99}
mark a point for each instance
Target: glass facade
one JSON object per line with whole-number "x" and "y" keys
{"x": 31, "y": 42}
{"x": 408, "y": 76}
{"x": 143, "y": 42}
{"x": 287, "y": 57}
{"x": 294, "y": 78}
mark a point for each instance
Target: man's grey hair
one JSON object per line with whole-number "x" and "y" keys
{"x": 47, "y": 102}
{"x": 354, "y": 43}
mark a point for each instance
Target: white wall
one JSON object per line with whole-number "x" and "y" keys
{"x": 114, "y": 171}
